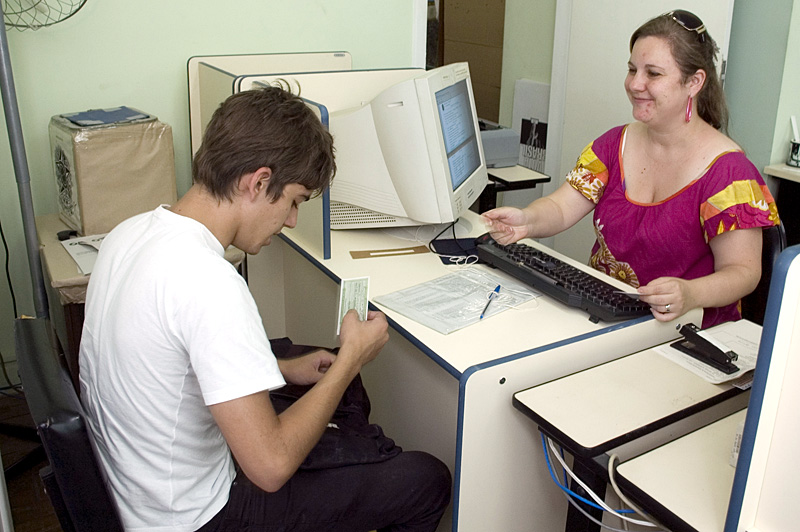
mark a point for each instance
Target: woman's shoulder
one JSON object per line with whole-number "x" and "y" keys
{"x": 719, "y": 142}
{"x": 608, "y": 143}
{"x": 724, "y": 154}
{"x": 613, "y": 135}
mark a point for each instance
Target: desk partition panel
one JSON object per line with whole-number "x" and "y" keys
{"x": 765, "y": 486}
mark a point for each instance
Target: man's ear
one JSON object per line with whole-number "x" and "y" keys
{"x": 255, "y": 184}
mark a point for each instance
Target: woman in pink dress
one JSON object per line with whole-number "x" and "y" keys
{"x": 678, "y": 208}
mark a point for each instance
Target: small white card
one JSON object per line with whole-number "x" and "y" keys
{"x": 634, "y": 295}
{"x": 83, "y": 251}
{"x": 353, "y": 294}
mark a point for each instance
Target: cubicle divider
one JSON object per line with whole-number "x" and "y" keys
{"x": 212, "y": 78}
{"x": 765, "y": 485}
{"x": 325, "y": 80}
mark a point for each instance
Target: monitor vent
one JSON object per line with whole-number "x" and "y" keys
{"x": 344, "y": 216}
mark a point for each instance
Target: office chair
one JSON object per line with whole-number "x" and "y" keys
{"x": 74, "y": 480}
{"x": 773, "y": 242}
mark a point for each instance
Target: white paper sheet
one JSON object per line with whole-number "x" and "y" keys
{"x": 83, "y": 251}
{"x": 455, "y": 300}
{"x": 742, "y": 337}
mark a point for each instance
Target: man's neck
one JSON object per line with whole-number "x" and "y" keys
{"x": 218, "y": 215}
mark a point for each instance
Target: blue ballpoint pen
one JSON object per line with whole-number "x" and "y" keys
{"x": 492, "y": 295}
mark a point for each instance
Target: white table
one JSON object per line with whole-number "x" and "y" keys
{"x": 627, "y": 407}
{"x": 688, "y": 481}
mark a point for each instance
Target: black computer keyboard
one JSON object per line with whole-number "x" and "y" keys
{"x": 559, "y": 280}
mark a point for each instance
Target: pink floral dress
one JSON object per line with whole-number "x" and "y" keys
{"x": 638, "y": 242}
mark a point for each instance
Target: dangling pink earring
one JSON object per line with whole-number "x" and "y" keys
{"x": 689, "y": 110}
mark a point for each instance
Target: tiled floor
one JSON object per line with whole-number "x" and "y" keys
{"x": 30, "y": 508}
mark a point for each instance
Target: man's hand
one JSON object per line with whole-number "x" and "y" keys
{"x": 270, "y": 448}
{"x": 364, "y": 339}
{"x": 308, "y": 368}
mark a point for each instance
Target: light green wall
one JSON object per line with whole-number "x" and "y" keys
{"x": 763, "y": 78}
{"x": 789, "y": 103}
{"x": 134, "y": 53}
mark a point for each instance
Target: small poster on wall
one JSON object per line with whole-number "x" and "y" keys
{"x": 531, "y": 102}
{"x": 533, "y": 144}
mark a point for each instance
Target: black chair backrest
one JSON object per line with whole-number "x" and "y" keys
{"x": 74, "y": 481}
{"x": 773, "y": 242}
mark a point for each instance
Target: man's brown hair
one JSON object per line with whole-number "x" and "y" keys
{"x": 269, "y": 127}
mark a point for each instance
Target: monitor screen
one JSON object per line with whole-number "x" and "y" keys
{"x": 458, "y": 130}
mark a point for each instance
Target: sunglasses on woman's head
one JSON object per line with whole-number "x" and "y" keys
{"x": 688, "y": 21}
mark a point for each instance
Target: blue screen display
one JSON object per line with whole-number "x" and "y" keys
{"x": 458, "y": 128}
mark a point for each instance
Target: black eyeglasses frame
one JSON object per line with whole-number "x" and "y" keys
{"x": 688, "y": 21}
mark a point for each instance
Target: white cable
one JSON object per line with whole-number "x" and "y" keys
{"x": 461, "y": 260}
{"x": 593, "y": 495}
{"x": 574, "y": 503}
{"x": 611, "y": 459}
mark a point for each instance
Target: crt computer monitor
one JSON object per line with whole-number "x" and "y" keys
{"x": 411, "y": 155}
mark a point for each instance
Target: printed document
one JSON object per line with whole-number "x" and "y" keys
{"x": 455, "y": 300}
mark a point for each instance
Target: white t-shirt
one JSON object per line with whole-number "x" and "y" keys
{"x": 170, "y": 328}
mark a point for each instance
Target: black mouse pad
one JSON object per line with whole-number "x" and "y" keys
{"x": 449, "y": 247}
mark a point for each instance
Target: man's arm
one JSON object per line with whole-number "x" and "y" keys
{"x": 306, "y": 369}
{"x": 270, "y": 447}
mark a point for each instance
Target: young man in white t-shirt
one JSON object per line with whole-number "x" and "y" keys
{"x": 176, "y": 369}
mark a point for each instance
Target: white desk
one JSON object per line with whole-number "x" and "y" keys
{"x": 450, "y": 395}
{"x": 627, "y": 407}
{"x": 689, "y": 479}
{"x": 619, "y": 402}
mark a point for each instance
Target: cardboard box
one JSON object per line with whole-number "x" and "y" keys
{"x": 473, "y": 32}
{"x": 475, "y": 21}
{"x": 110, "y": 164}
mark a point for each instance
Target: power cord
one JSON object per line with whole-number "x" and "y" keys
{"x": 13, "y": 304}
{"x": 563, "y": 487}
{"x": 8, "y": 271}
{"x": 611, "y": 474}
{"x": 599, "y": 502}
{"x": 464, "y": 260}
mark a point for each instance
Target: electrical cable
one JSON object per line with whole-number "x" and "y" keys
{"x": 452, "y": 225}
{"x": 611, "y": 474}
{"x": 8, "y": 272}
{"x": 13, "y": 303}
{"x": 464, "y": 260}
{"x": 597, "y": 498}
{"x": 591, "y": 518}
{"x": 564, "y": 488}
